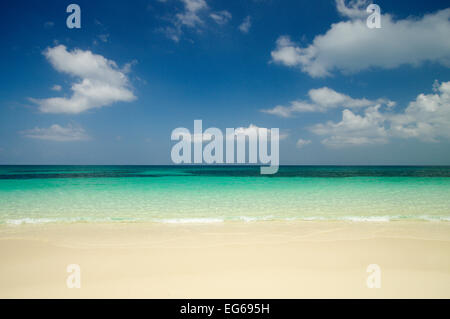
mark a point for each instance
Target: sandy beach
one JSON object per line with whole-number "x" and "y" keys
{"x": 226, "y": 260}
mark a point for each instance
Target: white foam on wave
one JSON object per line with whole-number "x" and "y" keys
{"x": 191, "y": 220}
{"x": 309, "y": 218}
{"x": 434, "y": 218}
{"x": 210, "y": 220}
{"x": 366, "y": 218}
{"x": 255, "y": 218}
{"x": 30, "y": 221}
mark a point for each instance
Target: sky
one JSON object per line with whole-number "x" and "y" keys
{"x": 112, "y": 91}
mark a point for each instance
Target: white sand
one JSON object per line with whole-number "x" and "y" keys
{"x": 229, "y": 260}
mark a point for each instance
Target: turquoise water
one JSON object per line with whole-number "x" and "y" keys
{"x": 178, "y": 194}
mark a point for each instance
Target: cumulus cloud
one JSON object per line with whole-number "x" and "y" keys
{"x": 427, "y": 118}
{"x": 322, "y": 99}
{"x": 99, "y": 81}
{"x": 354, "y": 129}
{"x": 350, "y": 46}
{"x": 287, "y": 52}
{"x": 245, "y": 25}
{"x": 221, "y": 17}
{"x": 58, "y": 133}
{"x": 56, "y": 87}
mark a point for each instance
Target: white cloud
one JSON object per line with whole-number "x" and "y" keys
{"x": 287, "y": 52}
{"x": 354, "y": 129}
{"x": 281, "y": 111}
{"x": 245, "y": 25}
{"x": 172, "y": 32}
{"x": 253, "y": 129}
{"x": 194, "y": 17}
{"x": 190, "y": 16}
{"x": 58, "y": 133}
{"x": 301, "y": 143}
{"x": 350, "y": 46}
{"x": 328, "y": 98}
{"x": 322, "y": 99}
{"x": 101, "y": 81}
{"x": 221, "y": 17}
{"x": 354, "y": 8}
{"x": 56, "y": 87}
{"x": 427, "y": 118}
{"x": 250, "y": 129}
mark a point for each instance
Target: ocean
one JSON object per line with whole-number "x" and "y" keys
{"x": 215, "y": 194}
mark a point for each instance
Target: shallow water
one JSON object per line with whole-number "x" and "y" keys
{"x": 182, "y": 194}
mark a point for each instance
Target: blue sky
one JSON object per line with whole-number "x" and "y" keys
{"x": 340, "y": 93}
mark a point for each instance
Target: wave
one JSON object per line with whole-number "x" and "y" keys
{"x": 190, "y": 220}
{"x": 368, "y": 218}
{"x": 20, "y": 221}
{"x": 211, "y": 220}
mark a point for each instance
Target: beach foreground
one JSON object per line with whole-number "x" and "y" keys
{"x": 226, "y": 260}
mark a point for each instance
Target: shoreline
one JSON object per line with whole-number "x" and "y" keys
{"x": 260, "y": 259}
{"x": 221, "y": 220}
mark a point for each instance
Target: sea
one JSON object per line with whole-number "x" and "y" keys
{"x": 220, "y": 194}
